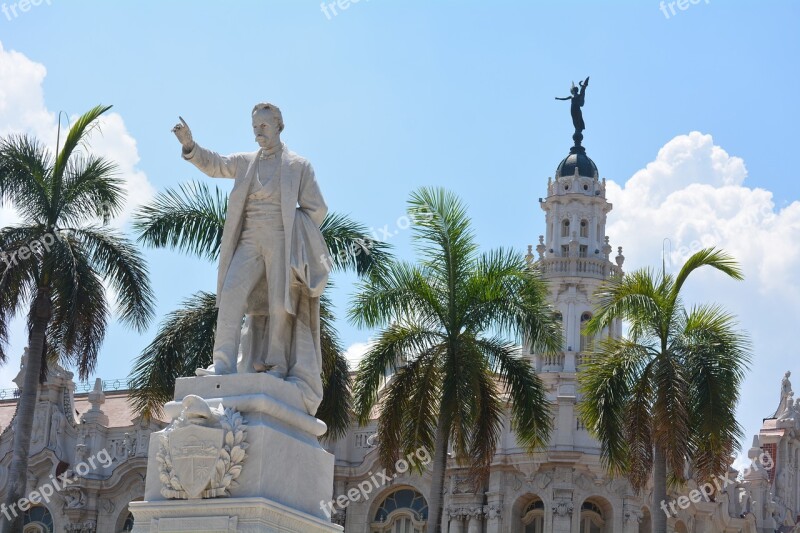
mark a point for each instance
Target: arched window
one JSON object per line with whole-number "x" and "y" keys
{"x": 403, "y": 511}
{"x": 128, "y": 524}
{"x": 125, "y": 520}
{"x": 592, "y": 518}
{"x": 586, "y": 340}
{"x": 37, "y": 520}
{"x": 533, "y": 517}
{"x": 565, "y": 228}
{"x": 584, "y": 228}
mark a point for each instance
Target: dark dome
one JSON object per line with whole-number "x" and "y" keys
{"x": 577, "y": 158}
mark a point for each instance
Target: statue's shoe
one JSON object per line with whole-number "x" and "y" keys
{"x": 205, "y": 371}
{"x": 213, "y": 370}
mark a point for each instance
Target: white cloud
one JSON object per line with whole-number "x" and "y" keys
{"x": 22, "y": 106}
{"x": 23, "y": 110}
{"x": 112, "y": 140}
{"x": 694, "y": 193}
{"x": 355, "y": 353}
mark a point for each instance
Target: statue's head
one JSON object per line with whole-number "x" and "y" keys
{"x": 574, "y": 90}
{"x": 267, "y": 124}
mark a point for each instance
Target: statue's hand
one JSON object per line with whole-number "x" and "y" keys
{"x": 184, "y": 135}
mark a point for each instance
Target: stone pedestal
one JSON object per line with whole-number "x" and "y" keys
{"x": 267, "y": 469}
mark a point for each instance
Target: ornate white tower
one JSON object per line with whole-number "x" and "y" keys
{"x": 574, "y": 256}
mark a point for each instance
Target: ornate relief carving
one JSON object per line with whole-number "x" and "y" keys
{"x": 90, "y": 526}
{"x": 202, "y": 451}
{"x": 494, "y": 510}
{"x": 74, "y": 498}
{"x": 563, "y": 508}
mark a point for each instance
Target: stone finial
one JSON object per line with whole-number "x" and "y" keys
{"x": 607, "y": 249}
{"x": 540, "y": 248}
{"x": 96, "y": 399}
{"x": 620, "y": 259}
{"x": 96, "y": 396}
{"x": 529, "y": 255}
{"x": 755, "y": 449}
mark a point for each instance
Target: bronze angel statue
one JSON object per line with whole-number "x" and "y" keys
{"x": 577, "y": 102}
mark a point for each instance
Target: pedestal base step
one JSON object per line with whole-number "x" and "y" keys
{"x": 224, "y": 515}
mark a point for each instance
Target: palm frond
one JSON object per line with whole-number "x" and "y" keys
{"x": 711, "y": 257}
{"x": 638, "y": 429}
{"x": 716, "y": 355}
{"x": 442, "y": 232}
{"x": 24, "y": 177}
{"x": 487, "y": 426}
{"x": 351, "y": 247}
{"x": 77, "y": 134}
{"x": 673, "y": 432}
{"x": 394, "y": 346}
{"x": 634, "y": 297}
{"x": 402, "y": 291}
{"x": 419, "y": 422}
{"x": 189, "y": 219}
{"x": 18, "y": 275}
{"x": 80, "y": 311}
{"x": 530, "y": 408}
{"x": 183, "y": 343}
{"x": 394, "y": 411}
{"x": 337, "y": 398}
{"x": 90, "y": 188}
{"x": 122, "y": 265}
{"x": 502, "y": 294}
{"x": 606, "y": 382}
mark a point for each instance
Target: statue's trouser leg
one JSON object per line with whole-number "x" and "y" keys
{"x": 252, "y": 345}
{"x": 244, "y": 272}
{"x": 278, "y": 338}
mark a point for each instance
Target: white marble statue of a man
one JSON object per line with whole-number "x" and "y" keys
{"x": 266, "y": 269}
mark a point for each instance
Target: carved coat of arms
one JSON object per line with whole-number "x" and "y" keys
{"x": 201, "y": 451}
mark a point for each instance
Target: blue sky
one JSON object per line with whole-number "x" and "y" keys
{"x": 386, "y": 96}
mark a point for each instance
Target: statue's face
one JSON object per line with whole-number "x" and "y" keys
{"x": 265, "y": 128}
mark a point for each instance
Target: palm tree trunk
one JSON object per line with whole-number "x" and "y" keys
{"x": 659, "y": 491}
{"x": 437, "y": 482}
{"x": 23, "y": 421}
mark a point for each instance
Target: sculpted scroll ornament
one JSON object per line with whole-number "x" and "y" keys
{"x": 201, "y": 453}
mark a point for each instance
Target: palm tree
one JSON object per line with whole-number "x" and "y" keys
{"x": 667, "y": 394}
{"x": 191, "y": 219}
{"x": 56, "y": 262}
{"x": 444, "y": 341}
